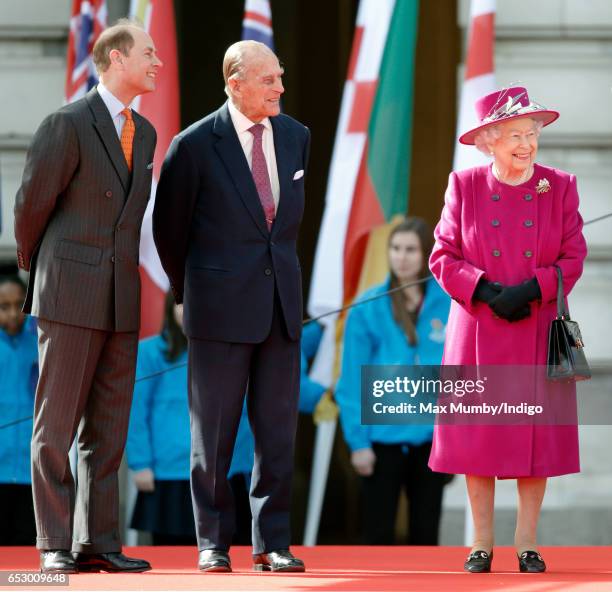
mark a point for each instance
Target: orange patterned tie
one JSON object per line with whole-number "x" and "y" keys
{"x": 127, "y": 136}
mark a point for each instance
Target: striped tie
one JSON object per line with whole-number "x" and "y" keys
{"x": 127, "y": 137}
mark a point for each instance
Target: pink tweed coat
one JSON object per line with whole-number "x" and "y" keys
{"x": 507, "y": 234}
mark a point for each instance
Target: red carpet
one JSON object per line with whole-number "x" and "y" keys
{"x": 575, "y": 569}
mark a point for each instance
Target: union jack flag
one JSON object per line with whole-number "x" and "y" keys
{"x": 257, "y": 23}
{"x": 88, "y": 20}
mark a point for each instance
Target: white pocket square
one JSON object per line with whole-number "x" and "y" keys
{"x": 298, "y": 175}
{"x": 150, "y": 166}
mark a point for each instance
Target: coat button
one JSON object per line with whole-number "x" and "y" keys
{"x": 113, "y": 259}
{"x": 528, "y": 197}
{"x": 268, "y": 271}
{"x": 528, "y": 223}
{"x": 528, "y": 254}
{"x": 118, "y": 227}
{"x": 109, "y": 193}
{"x": 495, "y": 197}
{"x": 495, "y": 222}
{"x": 496, "y": 252}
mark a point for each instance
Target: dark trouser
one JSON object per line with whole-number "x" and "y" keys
{"x": 240, "y": 489}
{"x": 219, "y": 373}
{"x": 86, "y": 377}
{"x": 400, "y": 466}
{"x": 17, "y": 526}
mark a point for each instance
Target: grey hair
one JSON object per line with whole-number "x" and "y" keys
{"x": 235, "y": 58}
{"x": 490, "y": 135}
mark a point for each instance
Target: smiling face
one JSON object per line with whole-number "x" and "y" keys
{"x": 515, "y": 151}
{"x": 257, "y": 91}
{"x": 405, "y": 256}
{"x": 141, "y": 65}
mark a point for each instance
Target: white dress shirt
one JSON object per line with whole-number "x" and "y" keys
{"x": 242, "y": 125}
{"x": 114, "y": 106}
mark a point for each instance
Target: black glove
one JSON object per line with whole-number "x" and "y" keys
{"x": 485, "y": 291}
{"x": 520, "y": 314}
{"x": 514, "y": 299}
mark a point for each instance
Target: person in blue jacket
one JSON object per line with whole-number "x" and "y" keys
{"x": 310, "y": 390}
{"x": 158, "y": 442}
{"x": 18, "y": 376}
{"x": 406, "y": 328}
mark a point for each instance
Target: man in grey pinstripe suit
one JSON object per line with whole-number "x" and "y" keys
{"x": 78, "y": 214}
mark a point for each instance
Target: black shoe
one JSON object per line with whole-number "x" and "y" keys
{"x": 214, "y": 560}
{"x": 478, "y": 562}
{"x": 531, "y": 562}
{"x": 57, "y": 561}
{"x": 110, "y": 563}
{"x": 281, "y": 560}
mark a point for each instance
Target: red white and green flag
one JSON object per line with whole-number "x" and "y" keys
{"x": 370, "y": 169}
{"x": 162, "y": 109}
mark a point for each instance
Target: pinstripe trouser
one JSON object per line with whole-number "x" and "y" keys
{"x": 86, "y": 378}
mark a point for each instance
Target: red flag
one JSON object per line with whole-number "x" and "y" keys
{"x": 162, "y": 109}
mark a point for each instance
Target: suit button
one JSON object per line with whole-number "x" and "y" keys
{"x": 118, "y": 227}
{"x": 528, "y": 254}
{"x": 495, "y": 222}
{"x": 113, "y": 259}
{"x": 496, "y": 252}
{"x": 528, "y": 223}
{"x": 109, "y": 193}
{"x": 268, "y": 271}
{"x": 528, "y": 197}
{"x": 495, "y": 197}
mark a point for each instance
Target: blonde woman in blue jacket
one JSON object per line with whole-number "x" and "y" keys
{"x": 404, "y": 328}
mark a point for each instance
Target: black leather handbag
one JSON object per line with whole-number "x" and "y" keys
{"x": 566, "y": 360}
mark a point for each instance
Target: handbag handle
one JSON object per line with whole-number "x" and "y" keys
{"x": 562, "y": 312}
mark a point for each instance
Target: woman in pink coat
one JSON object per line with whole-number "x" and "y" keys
{"x": 504, "y": 228}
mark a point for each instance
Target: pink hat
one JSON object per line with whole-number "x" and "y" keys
{"x": 506, "y": 104}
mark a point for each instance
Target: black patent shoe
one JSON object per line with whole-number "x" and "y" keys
{"x": 281, "y": 560}
{"x": 531, "y": 562}
{"x": 478, "y": 562}
{"x": 113, "y": 562}
{"x": 57, "y": 561}
{"x": 214, "y": 561}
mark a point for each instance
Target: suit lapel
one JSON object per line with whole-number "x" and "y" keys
{"x": 108, "y": 134}
{"x": 283, "y": 150}
{"x": 230, "y": 151}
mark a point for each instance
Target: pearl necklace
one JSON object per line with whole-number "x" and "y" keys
{"x": 528, "y": 172}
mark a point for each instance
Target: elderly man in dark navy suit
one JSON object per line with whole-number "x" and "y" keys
{"x": 229, "y": 204}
